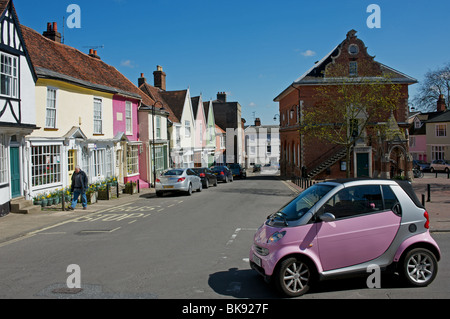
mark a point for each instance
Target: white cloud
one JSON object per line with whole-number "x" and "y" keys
{"x": 308, "y": 53}
{"x": 252, "y": 104}
{"x": 127, "y": 63}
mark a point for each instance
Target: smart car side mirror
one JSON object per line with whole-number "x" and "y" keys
{"x": 327, "y": 217}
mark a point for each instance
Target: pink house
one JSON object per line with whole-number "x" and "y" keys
{"x": 126, "y": 137}
{"x": 200, "y": 156}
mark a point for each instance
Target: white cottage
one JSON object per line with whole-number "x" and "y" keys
{"x": 17, "y": 108}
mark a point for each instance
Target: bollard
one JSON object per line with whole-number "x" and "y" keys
{"x": 63, "y": 202}
{"x": 138, "y": 186}
{"x": 107, "y": 191}
{"x": 423, "y": 200}
{"x": 429, "y": 192}
{"x": 117, "y": 189}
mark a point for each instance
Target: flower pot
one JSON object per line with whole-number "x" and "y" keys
{"x": 49, "y": 201}
{"x": 56, "y": 200}
{"x": 92, "y": 197}
{"x": 44, "y": 202}
{"x": 103, "y": 194}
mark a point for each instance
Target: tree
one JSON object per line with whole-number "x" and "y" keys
{"x": 436, "y": 82}
{"x": 350, "y": 109}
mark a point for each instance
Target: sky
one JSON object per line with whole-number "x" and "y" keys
{"x": 250, "y": 49}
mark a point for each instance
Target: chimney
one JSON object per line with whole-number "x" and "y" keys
{"x": 52, "y": 32}
{"x": 441, "y": 107}
{"x": 222, "y": 97}
{"x": 257, "y": 121}
{"x": 142, "y": 80}
{"x": 160, "y": 78}
{"x": 93, "y": 53}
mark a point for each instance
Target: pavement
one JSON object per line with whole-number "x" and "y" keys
{"x": 15, "y": 226}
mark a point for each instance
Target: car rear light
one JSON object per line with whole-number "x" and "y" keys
{"x": 158, "y": 180}
{"x": 221, "y": 173}
{"x": 181, "y": 179}
{"x": 202, "y": 175}
{"x": 427, "y": 223}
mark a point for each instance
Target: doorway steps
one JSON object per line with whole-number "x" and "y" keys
{"x": 22, "y": 206}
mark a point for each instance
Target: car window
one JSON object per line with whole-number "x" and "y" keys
{"x": 354, "y": 201}
{"x": 172, "y": 172}
{"x": 295, "y": 209}
{"x": 190, "y": 172}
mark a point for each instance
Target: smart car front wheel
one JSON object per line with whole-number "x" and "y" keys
{"x": 294, "y": 277}
{"x": 420, "y": 267}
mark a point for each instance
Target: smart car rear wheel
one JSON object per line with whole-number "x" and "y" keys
{"x": 420, "y": 267}
{"x": 294, "y": 277}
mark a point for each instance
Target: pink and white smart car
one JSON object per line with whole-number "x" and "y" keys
{"x": 342, "y": 227}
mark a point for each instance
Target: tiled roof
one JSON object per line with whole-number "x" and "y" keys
{"x": 175, "y": 99}
{"x": 59, "y": 61}
{"x": 154, "y": 94}
{"x": 3, "y": 5}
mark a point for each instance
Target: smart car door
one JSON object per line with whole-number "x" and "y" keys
{"x": 363, "y": 229}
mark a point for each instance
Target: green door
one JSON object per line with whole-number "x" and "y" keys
{"x": 362, "y": 162}
{"x": 15, "y": 172}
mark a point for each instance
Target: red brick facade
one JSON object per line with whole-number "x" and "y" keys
{"x": 302, "y": 153}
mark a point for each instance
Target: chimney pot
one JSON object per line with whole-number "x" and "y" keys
{"x": 142, "y": 80}
{"x": 159, "y": 77}
{"x": 257, "y": 121}
{"x": 52, "y": 32}
{"x": 441, "y": 105}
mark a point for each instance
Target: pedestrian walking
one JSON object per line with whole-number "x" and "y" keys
{"x": 79, "y": 187}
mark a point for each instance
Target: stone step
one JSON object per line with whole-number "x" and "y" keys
{"x": 22, "y": 206}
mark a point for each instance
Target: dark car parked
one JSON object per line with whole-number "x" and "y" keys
{"x": 207, "y": 176}
{"x": 421, "y": 165}
{"x": 237, "y": 170}
{"x": 223, "y": 173}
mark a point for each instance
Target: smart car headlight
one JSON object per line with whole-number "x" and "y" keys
{"x": 276, "y": 237}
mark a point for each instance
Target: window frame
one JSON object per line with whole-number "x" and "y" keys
{"x": 53, "y": 109}
{"x": 128, "y": 118}
{"x": 98, "y": 116}
{"x": 43, "y": 161}
{"x": 441, "y": 130}
{"x": 4, "y": 169}
{"x": 14, "y": 78}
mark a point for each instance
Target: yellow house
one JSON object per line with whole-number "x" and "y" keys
{"x": 75, "y": 94}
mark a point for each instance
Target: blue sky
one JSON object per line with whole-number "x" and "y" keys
{"x": 250, "y": 49}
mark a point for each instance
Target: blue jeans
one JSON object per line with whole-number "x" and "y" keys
{"x": 76, "y": 194}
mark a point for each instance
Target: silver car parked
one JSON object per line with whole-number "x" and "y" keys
{"x": 178, "y": 180}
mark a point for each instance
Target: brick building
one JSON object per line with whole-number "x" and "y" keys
{"x": 375, "y": 155}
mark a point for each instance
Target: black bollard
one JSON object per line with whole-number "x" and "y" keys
{"x": 429, "y": 192}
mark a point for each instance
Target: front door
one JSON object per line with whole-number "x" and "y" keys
{"x": 362, "y": 162}
{"x": 72, "y": 160}
{"x": 15, "y": 172}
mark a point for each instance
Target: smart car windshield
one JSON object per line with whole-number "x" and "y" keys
{"x": 295, "y": 209}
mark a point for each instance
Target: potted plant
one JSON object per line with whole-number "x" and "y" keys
{"x": 130, "y": 188}
{"x": 103, "y": 190}
{"x": 92, "y": 194}
{"x": 44, "y": 201}
{"x": 49, "y": 199}
{"x": 56, "y": 197}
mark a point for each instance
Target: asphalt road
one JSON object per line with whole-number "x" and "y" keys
{"x": 175, "y": 247}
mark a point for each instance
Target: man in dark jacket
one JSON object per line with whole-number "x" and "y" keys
{"x": 79, "y": 187}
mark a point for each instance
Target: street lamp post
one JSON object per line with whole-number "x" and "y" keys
{"x": 153, "y": 143}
